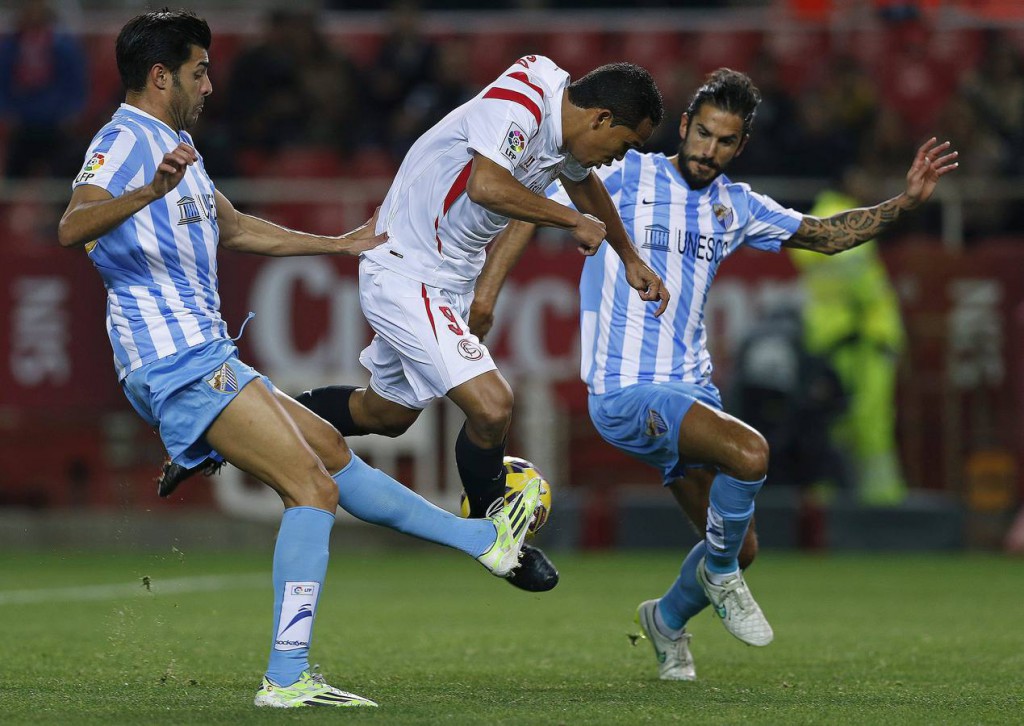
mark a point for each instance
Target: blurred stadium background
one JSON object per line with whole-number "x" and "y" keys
{"x": 314, "y": 105}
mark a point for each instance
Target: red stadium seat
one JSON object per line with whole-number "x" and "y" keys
{"x": 958, "y": 50}
{"x": 308, "y": 162}
{"x": 726, "y": 48}
{"x": 801, "y": 56}
{"x": 368, "y": 163}
{"x": 360, "y": 48}
{"x": 912, "y": 80}
{"x": 577, "y": 53}
{"x": 491, "y": 53}
{"x": 658, "y": 52}
{"x": 105, "y": 91}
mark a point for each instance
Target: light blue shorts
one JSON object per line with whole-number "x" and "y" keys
{"x": 182, "y": 394}
{"x": 643, "y": 420}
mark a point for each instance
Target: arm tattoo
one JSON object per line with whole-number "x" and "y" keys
{"x": 845, "y": 230}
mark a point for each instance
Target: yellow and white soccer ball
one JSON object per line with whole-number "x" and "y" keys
{"x": 517, "y": 473}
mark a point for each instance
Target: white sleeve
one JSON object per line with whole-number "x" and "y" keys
{"x": 503, "y": 120}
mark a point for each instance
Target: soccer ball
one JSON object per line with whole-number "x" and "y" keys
{"x": 517, "y": 473}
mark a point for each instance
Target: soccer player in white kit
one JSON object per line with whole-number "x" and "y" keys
{"x": 486, "y": 162}
{"x": 651, "y": 393}
{"x": 151, "y": 220}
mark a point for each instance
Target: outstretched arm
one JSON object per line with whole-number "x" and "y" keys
{"x": 848, "y": 229}
{"x": 504, "y": 252}
{"x": 245, "y": 233}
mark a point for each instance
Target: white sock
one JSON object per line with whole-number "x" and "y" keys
{"x": 716, "y": 578}
{"x": 668, "y": 632}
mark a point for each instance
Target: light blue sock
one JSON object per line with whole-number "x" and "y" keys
{"x": 729, "y": 513}
{"x": 373, "y": 496}
{"x": 686, "y": 597}
{"x": 300, "y": 564}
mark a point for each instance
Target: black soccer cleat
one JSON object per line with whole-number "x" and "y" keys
{"x": 535, "y": 573}
{"x": 174, "y": 474}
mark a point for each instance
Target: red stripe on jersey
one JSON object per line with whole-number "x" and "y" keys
{"x": 430, "y": 315}
{"x": 520, "y": 76}
{"x": 457, "y": 188}
{"x": 504, "y": 94}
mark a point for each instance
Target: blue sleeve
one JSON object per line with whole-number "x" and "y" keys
{"x": 113, "y": 160}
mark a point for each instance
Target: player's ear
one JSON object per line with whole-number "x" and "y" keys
{"x": 160, "y": 75}
{"x": 684, "y": 123}
{"x": 603, "y": 116}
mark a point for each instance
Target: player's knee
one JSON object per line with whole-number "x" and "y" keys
{"x": 491, "y": 425}
{"x": 332, "y": 450}
{"x": 492, "y": 417}
{"x": 323, "y": 491}
{"x": 327, "y": 443}
{"x": 752, "y": 457}
{"x": 309, "y": 485}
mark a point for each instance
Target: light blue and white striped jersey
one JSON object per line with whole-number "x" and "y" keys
{"x": 160, "y": 265}
{"x": 683, "y": 235}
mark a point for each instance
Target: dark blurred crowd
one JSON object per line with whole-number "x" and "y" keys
{"x": 294, "y": 101}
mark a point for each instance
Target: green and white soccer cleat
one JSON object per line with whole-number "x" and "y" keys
{"x": 674, "y": 660}
{"x": 733, "y": 603}
{"x": 512, "y": 524}
{"x": 309, "y": 690}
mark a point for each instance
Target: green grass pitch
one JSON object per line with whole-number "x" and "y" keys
{"x": 865, "y": 639}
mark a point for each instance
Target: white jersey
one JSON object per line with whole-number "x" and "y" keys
{"x": 159, "y": 266}
{"x": 683, "y": 234}
{"x": 436, "y": 234}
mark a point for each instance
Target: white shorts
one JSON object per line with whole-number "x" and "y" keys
{"x": 422, "y": 348}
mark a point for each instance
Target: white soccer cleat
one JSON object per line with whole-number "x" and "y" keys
{"x": 512, "y": 524}
{"x": 734, "y": 604}
{"x": 674, "y": 660}
{"x": 309, "y": 690}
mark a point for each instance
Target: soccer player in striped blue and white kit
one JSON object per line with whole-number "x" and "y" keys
{"x": 151, "y": 220}
{"x": 649, "y": 378}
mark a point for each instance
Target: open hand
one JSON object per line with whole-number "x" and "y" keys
{"x": 933, "y": 160}
{"x": 363, "y": 238}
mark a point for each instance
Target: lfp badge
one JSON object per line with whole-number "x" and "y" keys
{"x": 515, "y": 143}
{"x": 95, "y": 162}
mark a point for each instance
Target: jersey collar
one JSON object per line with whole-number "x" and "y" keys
{"x": 127, "y": 107}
